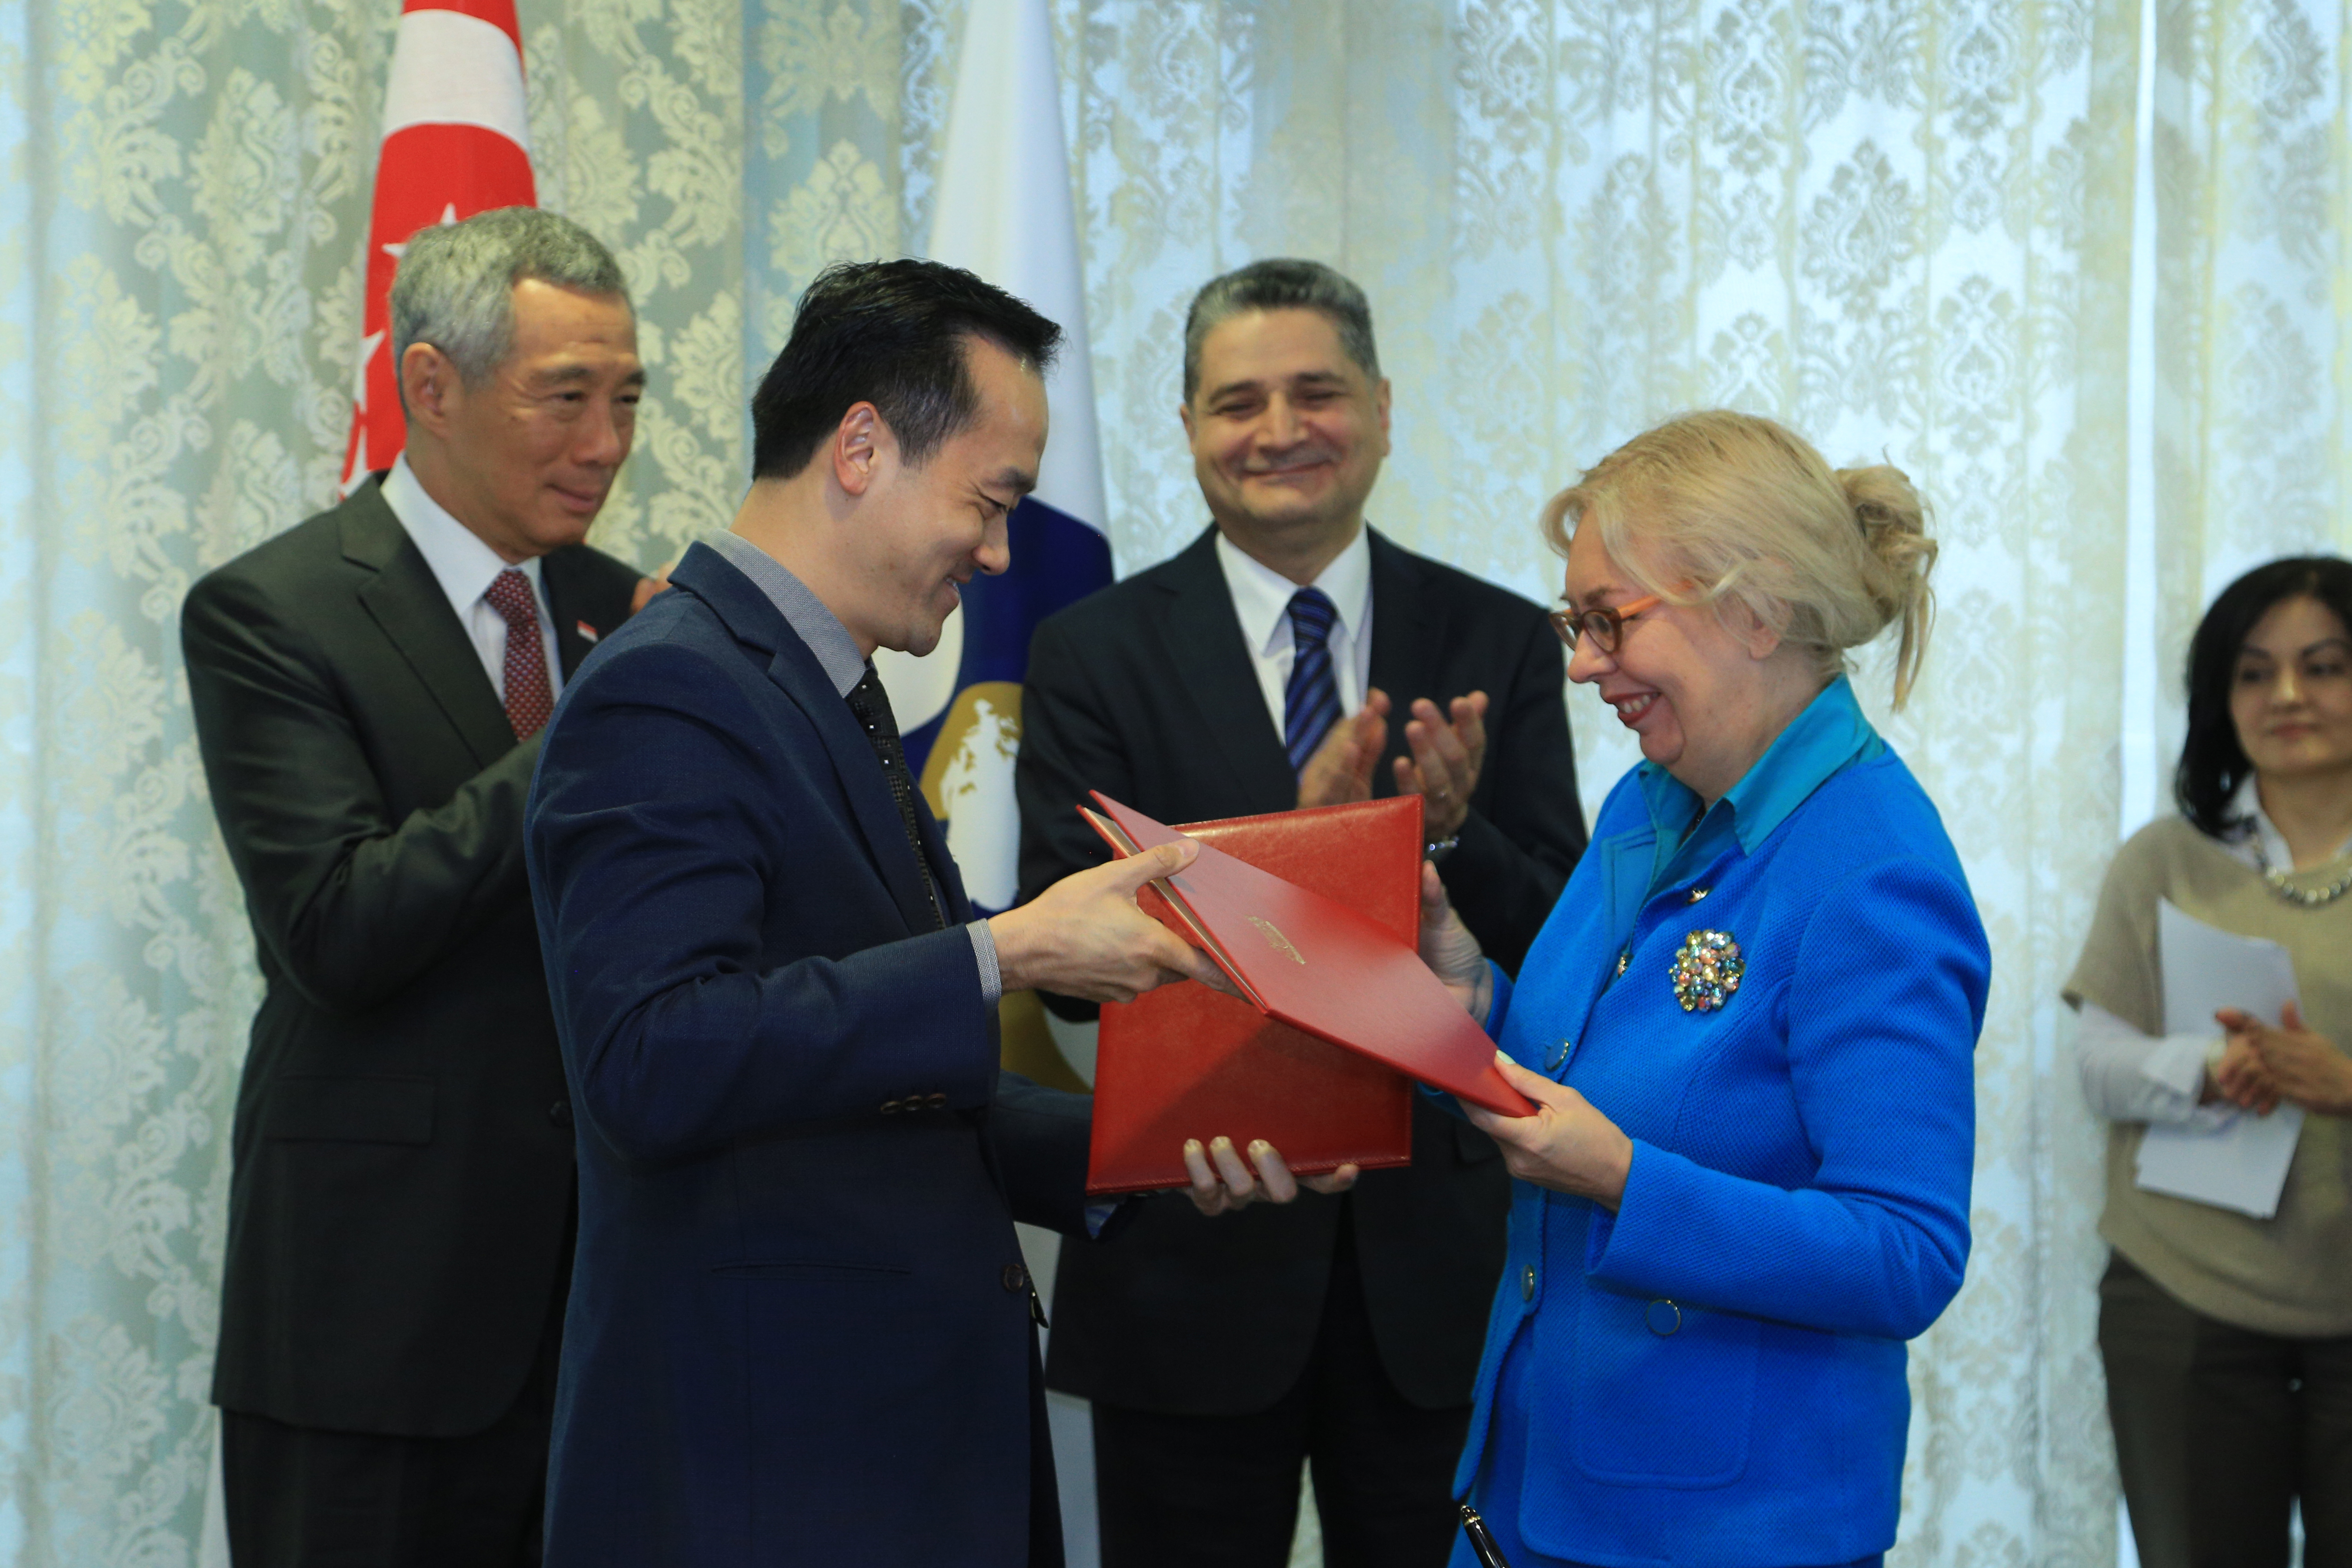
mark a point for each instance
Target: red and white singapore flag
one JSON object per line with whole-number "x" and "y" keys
{"x": 456, "y": 141}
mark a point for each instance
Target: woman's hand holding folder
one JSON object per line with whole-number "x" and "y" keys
{"x": 1453, "y": 953}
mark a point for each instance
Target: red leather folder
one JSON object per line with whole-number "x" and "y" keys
{"x": 1185, "y": 1061}
{"x": 1312, "y": 962}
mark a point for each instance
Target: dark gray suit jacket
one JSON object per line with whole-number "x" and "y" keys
{"x": 1146, "y": 692}
{"x": 401, "y": 1201}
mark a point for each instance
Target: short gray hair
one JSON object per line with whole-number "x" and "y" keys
{"x": 1281, "y": 283}
{"x": 455, "y": 289}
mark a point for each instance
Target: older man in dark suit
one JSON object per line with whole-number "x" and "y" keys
{"x": 369, "y": 691}
{"x": 1255, "y": 673}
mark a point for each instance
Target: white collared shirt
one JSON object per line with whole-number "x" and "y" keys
{"x": 465, "y": 568}
{"x": 1262, "y": 602}
{"x": 2256, "y": 829}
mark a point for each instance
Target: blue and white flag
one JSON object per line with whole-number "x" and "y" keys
{"x": 1003, "y": 211}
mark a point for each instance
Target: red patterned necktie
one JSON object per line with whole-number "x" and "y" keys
{"x": 529, "y": 702}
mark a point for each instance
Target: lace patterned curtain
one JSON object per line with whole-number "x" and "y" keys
{"x": 2253, "y": 361}
{"x": 1905, "y": 228}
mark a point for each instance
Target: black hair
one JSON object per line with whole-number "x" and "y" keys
{"x": 894, "y": 334}
{"x": 2213, "y": 763}
{"x": 1281, "y": 283}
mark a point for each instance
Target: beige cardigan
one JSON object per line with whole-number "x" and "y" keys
{"x": 2287, "y": 1275}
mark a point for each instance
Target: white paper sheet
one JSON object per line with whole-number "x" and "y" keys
{"x": 2243, "y": 1163}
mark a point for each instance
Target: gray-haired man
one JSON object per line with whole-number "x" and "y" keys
{"x": 368, "y": 688}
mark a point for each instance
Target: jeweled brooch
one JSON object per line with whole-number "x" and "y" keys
{"x": 1707, "y": 970}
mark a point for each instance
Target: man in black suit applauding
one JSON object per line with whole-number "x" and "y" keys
{"x": 369, "y": 689}
{"x": 1256, "y": 672}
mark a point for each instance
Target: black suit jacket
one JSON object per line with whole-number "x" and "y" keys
{"x": 1146, "y": 692}
{"x": 401, "y": 1195}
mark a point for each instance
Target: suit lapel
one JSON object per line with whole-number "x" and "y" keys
{"x": 1210, "y": 662}
{"x": 406, "y": 601}
{"x": 1406, "y": 647}
{"x": 754, "y": 619}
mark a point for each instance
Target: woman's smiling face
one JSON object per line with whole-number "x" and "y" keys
{"x": 2291, "y": 693}
{"x": 1678, "y": 678}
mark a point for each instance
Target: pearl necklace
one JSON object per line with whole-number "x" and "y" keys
{"x": 2302, "y": 897}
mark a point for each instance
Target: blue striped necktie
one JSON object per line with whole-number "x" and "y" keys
{"x": 1311, "y": 702}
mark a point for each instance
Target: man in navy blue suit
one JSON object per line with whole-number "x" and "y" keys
{"x": 800, "y": 1330}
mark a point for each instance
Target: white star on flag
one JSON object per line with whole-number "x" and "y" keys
{"x": 368, "y": 346}
{"x": 448, "y": 217}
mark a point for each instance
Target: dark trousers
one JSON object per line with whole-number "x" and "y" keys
{"x": 301, "y": 1498}
{"x": 1188, "y": 1491}
{"x": 2219, "y": 1429}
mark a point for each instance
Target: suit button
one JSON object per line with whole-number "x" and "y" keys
{"x": 890, "y": 1107}
{"x": 935, "y": 1101}
{"x": 559, "y": 1112}
{"x": 1662, "y": 1317}
{"x": 1016, "y": 1277}
{"x": 1527, "y": 1284}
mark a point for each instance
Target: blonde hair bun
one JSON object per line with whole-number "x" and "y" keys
{"x": 1893, "y": 522}
{"x": 1717, "y": 504}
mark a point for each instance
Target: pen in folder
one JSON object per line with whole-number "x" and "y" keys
{"x": 1481, "y": 1539}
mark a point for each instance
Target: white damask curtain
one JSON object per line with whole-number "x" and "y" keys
{"x": 1906, "y": 228}
{"x": 2254, "y": 356}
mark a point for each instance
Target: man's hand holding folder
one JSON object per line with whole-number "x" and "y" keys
{"x": 1084, "y": 937}
{"x": 1321, "y": 967}
{"x": 1345, "y": 973}
{"x": 1221, "y": 1183}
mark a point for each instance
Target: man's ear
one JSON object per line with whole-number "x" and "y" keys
{"x": 1381, "y": 403}
{"x": 428, "y": 387}
{"x": 857, "y": 449}
{"x": 1184, "y": 413}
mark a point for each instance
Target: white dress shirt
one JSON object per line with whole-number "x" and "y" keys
{"x": 465, "y": 568}
{"x": 2129, "y": 1076}
{"x": 1262, "y": 602}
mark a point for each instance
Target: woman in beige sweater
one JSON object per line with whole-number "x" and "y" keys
{"x": 2228, "y": 1339}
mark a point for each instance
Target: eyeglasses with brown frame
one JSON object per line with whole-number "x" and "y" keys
{"x": 1604, "y": 624}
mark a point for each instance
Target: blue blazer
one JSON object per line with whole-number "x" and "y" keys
{"x": 1714, "y": 1374}
{"x": 799, "y": 1330}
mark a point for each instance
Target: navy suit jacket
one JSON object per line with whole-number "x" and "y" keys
{"x": 799, "y": 1330}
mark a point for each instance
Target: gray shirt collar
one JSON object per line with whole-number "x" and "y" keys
{"x": 815, "y": 624}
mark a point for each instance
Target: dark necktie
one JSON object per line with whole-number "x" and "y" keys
{"x": 529, "y": 698}
{"x": 1310, "y": 701}
{"x": 871, "y": 704}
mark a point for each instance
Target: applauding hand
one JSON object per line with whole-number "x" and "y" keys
{"x": 1342, "y": 769}
{"x": 1448, "y": 750}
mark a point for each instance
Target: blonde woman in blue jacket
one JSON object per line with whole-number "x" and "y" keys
{"x": 1748, "y": 1028}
